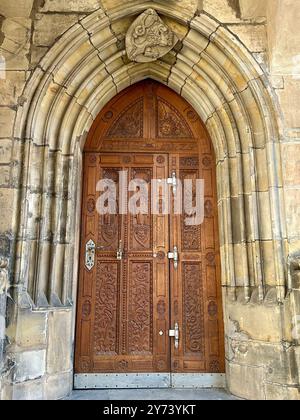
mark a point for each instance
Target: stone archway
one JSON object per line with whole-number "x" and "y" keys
{"x": 215, "y": 73}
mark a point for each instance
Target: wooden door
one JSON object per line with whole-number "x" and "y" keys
{"x": 127, "y": 307}
{"x": 195, "y": 291}
{"x": 124, "y": 303}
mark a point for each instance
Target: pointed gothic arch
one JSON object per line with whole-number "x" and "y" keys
{"x": 216, "y": 74}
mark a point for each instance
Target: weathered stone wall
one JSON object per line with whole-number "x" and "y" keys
{"x": 261, "y": 297}
{"x": 284, "y": 66}
{"x": 284, "y": 56}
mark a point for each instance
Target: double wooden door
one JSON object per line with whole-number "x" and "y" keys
{"x": 139, "y": 310}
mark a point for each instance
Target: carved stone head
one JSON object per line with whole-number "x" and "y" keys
{"x": 148, "y": 38}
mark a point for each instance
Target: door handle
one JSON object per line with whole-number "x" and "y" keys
{"x": 90, "y": 251}
{"x": 173, "y": 181}
{"x": 174, "y": 256}
{"x": 175, "y": 333}
{"x": 120, "y": 252}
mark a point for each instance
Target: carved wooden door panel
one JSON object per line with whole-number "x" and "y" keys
{"x": 196, "y": 302}
{"x": 123, "y": 304}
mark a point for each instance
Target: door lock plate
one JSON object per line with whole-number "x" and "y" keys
{"x": 90, "y": 251}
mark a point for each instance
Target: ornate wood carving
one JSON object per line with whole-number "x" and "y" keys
{"x": 93, "y": 159}
{"x": 127, "y": 159}
{"x": 148, "y": 38}
{"x": 106, "y": 302}
{"x": 149, "y": 145}
{"x": 108, "y": 229}
{"x": 208, "y": 207}
{"x": 141, "y": 224}
{"x": 207, "y": 161}
{"x": 161, "y": 365}
{"x": 140, "y": 309}
{"x": 129, "y": 123}
{"x": 141, "y": 233}
{"x": 190, "y": 162}
{"x": 161, "y": 308}
{"x": 85, "y": 364}
{"x": 108, "y": 232}
{"x": 193, "y": 309}
{"x": 86, "y": 309}
{"x": 161, "y": 255}
{"x": 123, "y": 309}
{"x": 170, "y": 122}
{"x": 91, "y": 205}
{"x": 191, "y": 235}
{"x": 160, "y": 160}
{"x": 123, "y": 365}
{"x": 214, "y": 366}
{"x": 211, "y": 258}
{"x": 212, "y": 309}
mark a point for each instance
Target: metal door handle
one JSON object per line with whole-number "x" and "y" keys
{"x": 175, "y": 333}
{"x": 120, "y": 252}
{"x": 174, "y": 256}
{"x": 173, "y": 181}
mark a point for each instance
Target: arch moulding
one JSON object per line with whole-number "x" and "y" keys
{"x": 217, "y": 75}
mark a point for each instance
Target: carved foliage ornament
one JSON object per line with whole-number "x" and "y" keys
{"x": 148, "y": 38}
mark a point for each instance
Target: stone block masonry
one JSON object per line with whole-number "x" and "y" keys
{"x": 237, "y": 63}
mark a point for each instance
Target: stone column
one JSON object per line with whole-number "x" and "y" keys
{"x": 3, "y": 296}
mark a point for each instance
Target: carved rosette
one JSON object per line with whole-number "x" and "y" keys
{"x": 214, "y": 366}
{"x": 148, "y": 38}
